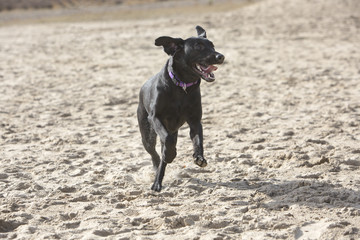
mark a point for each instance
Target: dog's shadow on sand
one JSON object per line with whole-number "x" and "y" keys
{"x": 281, "y": 195}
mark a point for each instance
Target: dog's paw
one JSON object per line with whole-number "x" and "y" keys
{"x": 201, "y": 162}
{"x": 156, "y": 187}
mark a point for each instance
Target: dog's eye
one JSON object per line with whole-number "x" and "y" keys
{"x": 199, "y": 46}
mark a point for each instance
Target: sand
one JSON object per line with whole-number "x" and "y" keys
{"x": 281, "y": 128}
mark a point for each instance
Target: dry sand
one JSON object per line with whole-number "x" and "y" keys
{"x": 281, "y": 126}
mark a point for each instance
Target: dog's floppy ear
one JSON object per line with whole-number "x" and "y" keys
{"x": 171, "y": 45}
{"x": 201, "y": 32}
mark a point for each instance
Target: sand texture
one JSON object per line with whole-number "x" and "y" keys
{"x": 281, "y": 128}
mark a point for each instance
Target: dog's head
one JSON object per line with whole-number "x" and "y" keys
{"x": 195, "y": 54}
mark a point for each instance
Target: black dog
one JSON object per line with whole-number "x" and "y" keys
{"x": 172, "y": 97}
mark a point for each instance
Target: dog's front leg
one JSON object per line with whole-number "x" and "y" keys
{"x": 159, "y": 177}
{"x": 168, "y": 149}
{"x": 196, "y": 135}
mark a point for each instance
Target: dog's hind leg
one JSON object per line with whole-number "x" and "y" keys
{"x": 148, "y": 136}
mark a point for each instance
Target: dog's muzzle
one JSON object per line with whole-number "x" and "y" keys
{"x": 206, "y": 70}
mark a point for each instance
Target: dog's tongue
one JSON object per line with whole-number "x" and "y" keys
{"x": 210, "y": 69}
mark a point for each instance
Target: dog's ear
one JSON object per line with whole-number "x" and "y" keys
{"x": 171, "y": 45}
{"x": 201, "y": 32}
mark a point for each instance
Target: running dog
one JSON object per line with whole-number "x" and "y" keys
{"x": 172, "y": 97}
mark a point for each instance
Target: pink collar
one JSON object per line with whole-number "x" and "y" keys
{"x": 180, "y": 83}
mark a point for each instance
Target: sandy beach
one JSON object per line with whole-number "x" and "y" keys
{"x": 281, "y": 126}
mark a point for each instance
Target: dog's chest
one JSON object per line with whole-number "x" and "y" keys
{"x": 176, "y": 113}
{"x": 175, "y": 116}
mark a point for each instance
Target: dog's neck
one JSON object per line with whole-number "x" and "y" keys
{"x": 181, "y": 74}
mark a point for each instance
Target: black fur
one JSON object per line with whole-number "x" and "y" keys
{"x": 164, "y": 107}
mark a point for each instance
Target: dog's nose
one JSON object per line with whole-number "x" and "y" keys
{"x": 220, "y": 58}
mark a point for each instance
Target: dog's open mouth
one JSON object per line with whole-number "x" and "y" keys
{"x": 206, "y": 71}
